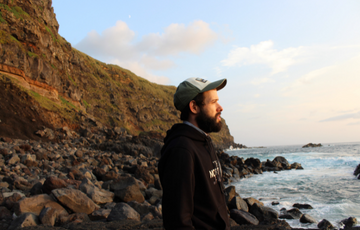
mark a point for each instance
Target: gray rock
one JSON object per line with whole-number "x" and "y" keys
{"x": 49, "y": 215}
{"x": 153, "y": 192}
{"x": 242, "y": 217}
{"x": 13, "y": 159}
{"x": 291, "y": 214}
{"x": 100, "y": 214}
{"x": 24, "y": 220}
{"x": 5, "y": 213}
{"x": 230, "y": 193}
{"x": 75, "y": 200}
{"x": 35, "y": 204}
{"x": 238, "y": 203}
{"x": 145, "y": 208}
{"x": 263, "y": 213}
{"x": 123, "y": 211}
{"x": 302, "y": 206}
{"x": 349, "y": 222}
{"x": 325, "y": 224}
{"x": 128, "y": 190}
{"x": 305, "y": 218}
{"x": 99, "y": 196}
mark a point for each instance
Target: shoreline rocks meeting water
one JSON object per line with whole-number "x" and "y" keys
{"x": 108, "y": 179}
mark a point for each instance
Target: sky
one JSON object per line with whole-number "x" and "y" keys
{"x": 292, "y": 67}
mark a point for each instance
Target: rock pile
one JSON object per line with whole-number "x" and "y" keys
{"x": 104, "y": 178}
{"x": 235, "y": 168}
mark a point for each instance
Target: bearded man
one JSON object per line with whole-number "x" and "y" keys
{"x": 189, "y": 170}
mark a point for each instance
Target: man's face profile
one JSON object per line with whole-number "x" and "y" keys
{"x": 208, "y": 119}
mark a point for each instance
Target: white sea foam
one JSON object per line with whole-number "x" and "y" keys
{"x": 326, "y": 183}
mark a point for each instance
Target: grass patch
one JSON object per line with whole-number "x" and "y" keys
{"x": 52, "y": 34}
{"x": 2, "y": 20}
{"x": 54, "y": 67}
{"x": 72, "y": 80}
{"x": 67, "y": 103}
{"x": 16, "y": 10}
{"x": 86, "y": 104}
{"x": 31, "y": 54}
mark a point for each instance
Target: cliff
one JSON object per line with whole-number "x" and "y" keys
{"x": 46, "y": 82}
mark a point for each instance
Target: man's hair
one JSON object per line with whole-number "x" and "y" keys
{"x": 199, "y": 100}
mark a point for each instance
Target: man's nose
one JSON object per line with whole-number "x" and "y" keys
{"x": 220, "y": 108}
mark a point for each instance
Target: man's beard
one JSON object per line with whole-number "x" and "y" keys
{"x": 208, "y": 124}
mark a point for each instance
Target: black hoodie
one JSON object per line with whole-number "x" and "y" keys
{"x": 190, "y": 174}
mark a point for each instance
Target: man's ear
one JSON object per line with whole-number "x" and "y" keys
{"x": 194, "y": 108}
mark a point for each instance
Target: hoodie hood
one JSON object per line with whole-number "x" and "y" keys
{"x": 181, "y": 129}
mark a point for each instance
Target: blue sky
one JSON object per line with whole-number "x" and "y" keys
{"x": 293, "y": 67}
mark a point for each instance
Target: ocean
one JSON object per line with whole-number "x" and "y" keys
{"x": 327, "y": 182}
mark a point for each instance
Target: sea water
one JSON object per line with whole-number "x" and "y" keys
{"x": 326, "y": 183}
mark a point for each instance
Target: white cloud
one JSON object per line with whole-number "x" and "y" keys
{"x": 151, "y": 52}
{"x": 343, "y": 117}
{"x": 263, "y": 53}
{"x": 113, "y": 42}
{"x": 178, "y": 38}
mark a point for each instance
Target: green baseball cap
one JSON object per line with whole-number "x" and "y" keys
{"x": 188, "y": 89}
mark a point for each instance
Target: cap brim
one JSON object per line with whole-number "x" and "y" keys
{"x": 218, "y": 85}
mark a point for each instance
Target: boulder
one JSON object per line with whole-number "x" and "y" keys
{"x": 11, "y": 199}
{"x": 49, "y": 216}
{"x": 99, "y": 196}
{"x": 75, "y": 200}
{"x": 243, "y": 217}
{"x": 357, "y": 170}
{"x": 230, "y": 193}
{"x": 291, "y": 214}
{"x": 127, "y": 189}
{"x": 153, "y": 192}
{"x": 253, "y": 162}
{"x": 325, "y": 225}
{"x": 238, "y": 203}
{"x": 100, "y": 214}
{"x": 75, "y": 218}
{"x": 305, "y": 218}
{"x": 349, "y": 222}
{"x": 284, "y": 163}
{"x": 263, "y": 213}
{"x": 5, "y": 213}
{"x": 302, "y": 206}
{"x": 251, "y": 201}
{"x": 53, "y": 183}
{"x": 24, "y": 220}
{"x": 123, "y": 211}
{"x": 35, "y": 204}
{"x": 13, "y": 159}
{"x": 145, "y": 208}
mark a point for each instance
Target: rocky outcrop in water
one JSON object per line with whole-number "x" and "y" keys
{"x": 312, "y": 145}
{"x": 357, "y": 171}
{"x": 235, "y": 168}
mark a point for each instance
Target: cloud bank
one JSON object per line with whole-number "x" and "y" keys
{"x": 263, "y": 53}
{"x": 119, "y": 45}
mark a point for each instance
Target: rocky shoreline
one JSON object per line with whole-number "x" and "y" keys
{"x": 109, "y": 180}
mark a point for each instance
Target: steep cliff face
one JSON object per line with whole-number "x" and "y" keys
{"x": 71, "y": 84}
